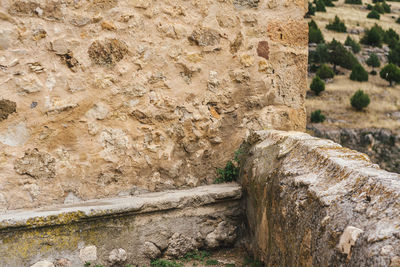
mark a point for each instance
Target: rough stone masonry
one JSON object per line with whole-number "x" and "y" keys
{"x": 105, "y": 98}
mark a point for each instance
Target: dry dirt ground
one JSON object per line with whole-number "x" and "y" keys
{"x": 335, "y": 101}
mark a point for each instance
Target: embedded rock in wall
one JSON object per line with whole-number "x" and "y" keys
{"x": 7, "y": 107}
{"x": 141, "y": 94}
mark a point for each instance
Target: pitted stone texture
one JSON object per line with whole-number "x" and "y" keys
{"x": 107, "y": 52}
{"x": 152, "y": 94}
{"x": 117, "y": 256}
{"x": 319, "y": 203}
{"x": 88, "y": 254}
{"x": 151, "y": 251}
{"x": 223, "y": 235}
{"x": 39, "y": 165}
{"x": 179, "y": 245}
{"x": 246, "y": 3}
{"x": 205, "y": 37}
{"x": 43, "y": 264}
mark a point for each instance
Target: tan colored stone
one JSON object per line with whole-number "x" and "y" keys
{"x": 153, "y": 94}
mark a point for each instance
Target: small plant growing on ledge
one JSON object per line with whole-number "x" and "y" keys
{"x": 231, "y": 171}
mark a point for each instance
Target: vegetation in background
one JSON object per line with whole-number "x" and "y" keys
{"x": 386, "y": 7}
{"x": 373, "y": 36}
{"x": 373, "y": 61}
{"x": 317, "y": 116}
{"x": 320, "y": 6}
{"x": 317, "y": 85}
{"x": 355, "y": 46}
{"x": 390, "y": 73}
{"x": 373, "y": 15}
{"x": 325, "y": 72}
{"x": 337, "y": 25}
{"x": 359, "y": 74}
{"x": 391, "y": 38}
{"x": 314, "y": 33}
{"x": 311, "y": 10}
{"x": 320, "y": 55}
{"x": 360, "y": 100}
{"x": 340, "y": 56}
{"x": 353, "y": 2}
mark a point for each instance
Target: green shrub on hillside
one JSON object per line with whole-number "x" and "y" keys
{"x": 378, "y": 8}
{"x": 320, "y": 6}
{"x": 394, "y": 55}
{"x": 314, "y": 33}
{"x": 373, "y": 61}
{"x": 390, "y": 73}
{"x": 391, "y": 38}
{"x": 340, "y": 56}
{"x": 317, "y": 116}
{"x": 353, "y": 2}
{"x": 398, "y": 20}
{"x": 317, "y": 85}
{"x": 320, "y": 55}
{"x": 373, "y": 36}
{"x": 324, "y": 72}
{"x": 360, "y": 100}
{"x": 336, "y": 25}
{"x": 359, "y": 74}
{"x": 373, "y": 15}
{"x": 355, "y": 46}
{"x": 386, "y": 7}
{"x": 311, "y": 10}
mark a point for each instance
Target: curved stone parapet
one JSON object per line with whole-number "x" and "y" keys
{"x": 311, "y": 202}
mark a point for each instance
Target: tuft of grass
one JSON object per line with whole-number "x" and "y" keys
{"x": 196, "y": 256}
{"x": 211, "y": 262}
{"x": 165, "y": 263}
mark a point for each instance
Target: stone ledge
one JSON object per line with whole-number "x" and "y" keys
{"x": 319, "y": 204}
{"x": 149, "y": 202}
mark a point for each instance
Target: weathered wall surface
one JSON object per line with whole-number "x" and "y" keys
{"x": 100, "y": 96}
{"x": 381, "y": 145}
{"x": 311, "y": 202}
{"x": 118, "y": 232}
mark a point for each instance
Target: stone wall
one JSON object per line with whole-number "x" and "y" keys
{"x": 123, "y": 231}
{"x": 107, "y": 97}
{"x": 311, "y": 202}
